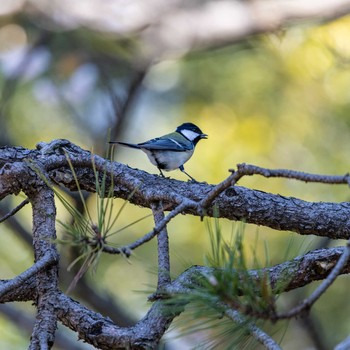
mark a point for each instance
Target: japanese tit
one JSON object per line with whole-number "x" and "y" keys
{"x": 171, "y": 151}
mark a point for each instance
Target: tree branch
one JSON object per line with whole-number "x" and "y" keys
{"x": 100, "y": 331}
{"x": 284, "y": 277}
{"x": 326, "y": 283}
{"x": 248, "y": 169}
{"x": 163, "y": 248}
{"x": 46, "y": 261}
{"x": 292, "y": 274}
{"x": 287, "y": 276}
{"x": 160, "y": 224}
{"x": 14, "y": 210}
{"x": 44, "y": 216}
{"x": 234, "y": 203}
{"x": 255, "y": 331}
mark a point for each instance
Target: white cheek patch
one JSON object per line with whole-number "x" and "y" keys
{"x": 191, "y": 135}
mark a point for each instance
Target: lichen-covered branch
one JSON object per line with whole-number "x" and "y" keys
{"x": 44, "y": 233}
{"x": 101, "y": 332}
{"x": 163, "y": 248}
{"x": 234, "y": 203}
{"x": 227, "y": 200}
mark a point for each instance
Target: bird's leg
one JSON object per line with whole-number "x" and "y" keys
{"x": 181, "y": 167}
{"x": 161, "y": 173}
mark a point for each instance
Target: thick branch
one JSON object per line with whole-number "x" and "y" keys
{"x": 44, "y": 215}
{"x": 235, "y": 203}
{"x": 163, "y": 248}
{"x": 97, "y": 330}
{"x": 289, "y": 275}
{"x": 306, "y": 304}
{"x": 100, "y": 331}
{"x": 19, "y": 280}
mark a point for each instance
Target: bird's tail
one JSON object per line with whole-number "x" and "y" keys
{"x": 125, "y": 144}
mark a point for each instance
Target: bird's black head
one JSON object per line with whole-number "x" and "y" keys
{"x": 191, "y": 132}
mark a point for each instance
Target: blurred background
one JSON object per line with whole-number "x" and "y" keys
{"x": 85, "y": 70}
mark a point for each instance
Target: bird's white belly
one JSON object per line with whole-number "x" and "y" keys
{"x": 168, "y": 160}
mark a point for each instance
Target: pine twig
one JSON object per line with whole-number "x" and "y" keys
{"x": 18, "y": 281}
{"x": 254, "y": 331}
{"x": 249, "y": 170}
{"x": 14, "y": 210}
{"x": 158, "y": 227}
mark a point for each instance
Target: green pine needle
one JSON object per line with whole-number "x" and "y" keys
{"x": 230, "y": 286}
{"x": 83, "y": 232}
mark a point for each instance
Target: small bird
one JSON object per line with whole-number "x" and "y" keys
{"x": 170, "y": 151}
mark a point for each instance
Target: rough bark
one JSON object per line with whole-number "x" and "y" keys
{"x": 19, "y": 172}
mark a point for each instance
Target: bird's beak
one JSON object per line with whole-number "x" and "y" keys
{"x": 204, "y": 136}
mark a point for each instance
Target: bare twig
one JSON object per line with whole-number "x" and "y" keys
{"x": 326, "y": 283}
{"x": 248, "y": 169}
{"x": 47, "y": 260}
{"x": 159, "y": 226}
{"x": 184, "y": 205}
{"x": 257, "y": 333}
{"x": 14, "y": 210}
{"x": 16, "y": 226}
{"x": 218, "y": 189}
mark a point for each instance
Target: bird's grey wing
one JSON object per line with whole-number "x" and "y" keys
{"x": 167, "y": 144}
